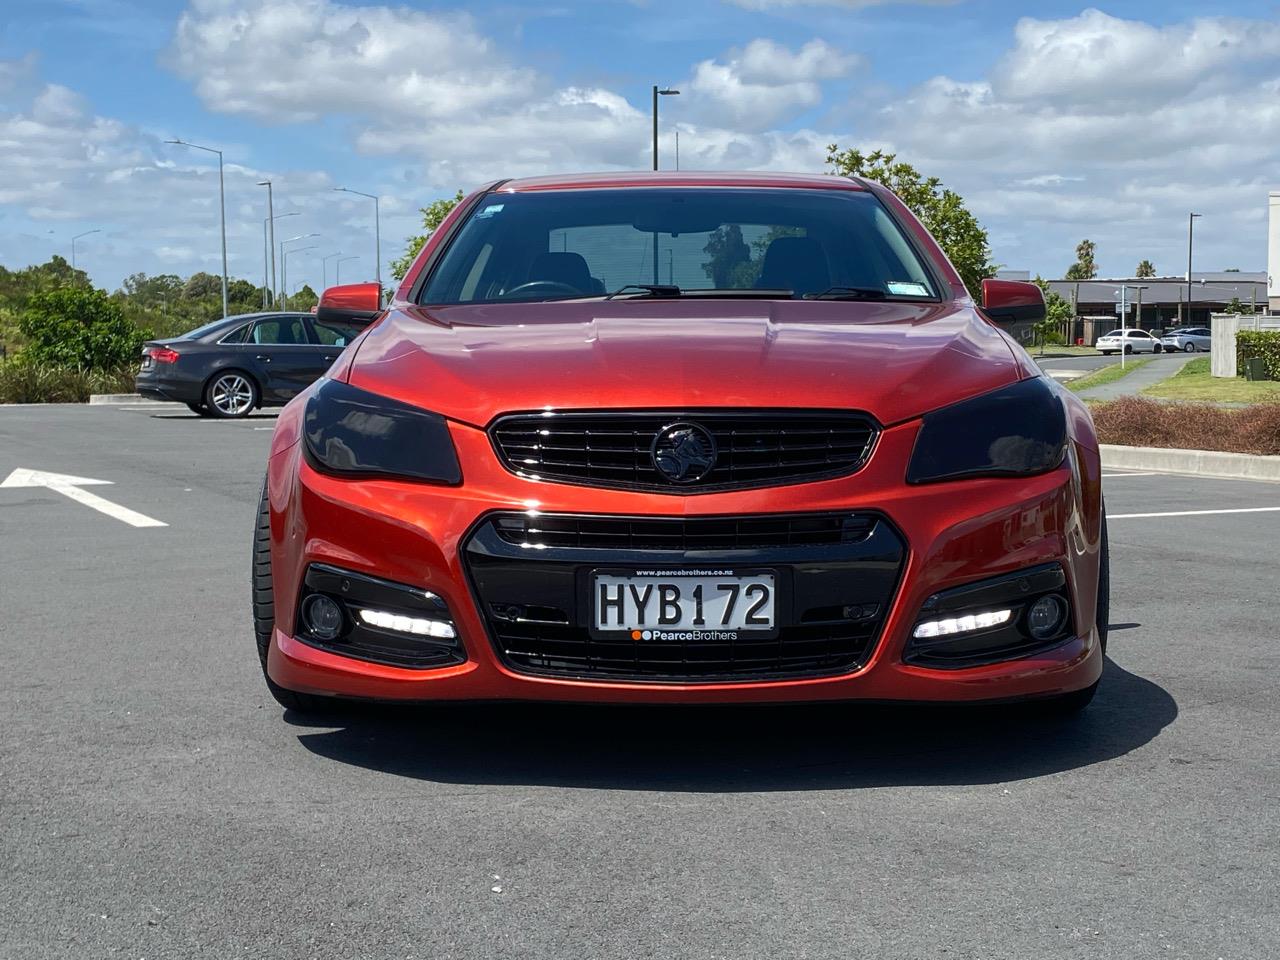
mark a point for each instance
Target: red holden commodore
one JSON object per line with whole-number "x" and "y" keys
{"x": 683, "y": 438}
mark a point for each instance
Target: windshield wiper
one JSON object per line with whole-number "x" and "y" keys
{"x": 654, "y": 289}
{"x": 847, "y": 293}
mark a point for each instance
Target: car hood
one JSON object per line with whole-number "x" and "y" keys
{"x": 895, "y": 361}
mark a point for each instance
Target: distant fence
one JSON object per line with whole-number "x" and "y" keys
{"x": 1225, "y": 326}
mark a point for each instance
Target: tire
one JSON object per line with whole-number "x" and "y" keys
{"x": 264, "y": 613}
{"x": 1158, "y": 348}
{"x": 231, "y": 394}
{"x": 1189, "y": 348}
{"x": 1107, "y": 353}
{"x": 199, "y": 409}
{"x": 1128, "y": 350}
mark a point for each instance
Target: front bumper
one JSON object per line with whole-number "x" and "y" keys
{"x": 952, "y": 534}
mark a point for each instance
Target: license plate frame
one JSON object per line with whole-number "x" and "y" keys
{"x": 587, "y": 607}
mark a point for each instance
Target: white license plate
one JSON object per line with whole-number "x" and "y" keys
{"x": 683, "y": 604}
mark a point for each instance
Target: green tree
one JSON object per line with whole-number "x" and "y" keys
{"x": 202, "y": 285}
{"x": 1058, "y": 314}
{"x": 433, "y": 215}
{"x": 728, "y": 253}
{"x": 303, "y": 299}
{"x": 1084, "y": 268}
{"x": 1235, "y": 306}
{"x": 1145, "y": 269}
{"x": 78, "y": 327}
{"x": 942, "y": 211}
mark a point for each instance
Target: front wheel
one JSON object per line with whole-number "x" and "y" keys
{"x": 231, "y": 394}
{"x": 1107, "y": 353}
{"x": 264, "y": 613}
{"x": 1189, "y": 348}
{"x": 1157, "y": 348}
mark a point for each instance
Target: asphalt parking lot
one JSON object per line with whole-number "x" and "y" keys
{"x": 157, "y": 803}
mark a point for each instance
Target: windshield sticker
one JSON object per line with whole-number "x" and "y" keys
{"x": 900, "y": 289}
{"x": 490, "y": 210}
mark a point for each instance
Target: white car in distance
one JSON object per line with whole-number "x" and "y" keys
{"x": 1130, "y": 341}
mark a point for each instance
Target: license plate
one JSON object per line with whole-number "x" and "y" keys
{"x": 684, "y": 605}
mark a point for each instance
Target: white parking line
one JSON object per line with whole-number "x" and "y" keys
{"x": 1107, "y": 476}
{"x": 1190, "y": 513}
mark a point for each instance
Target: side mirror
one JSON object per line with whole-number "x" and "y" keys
{"x": 1012, "y": 301}
{"x": 351, "y": 303}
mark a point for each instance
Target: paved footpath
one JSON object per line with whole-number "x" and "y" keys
{"x": 1161, "y": 367}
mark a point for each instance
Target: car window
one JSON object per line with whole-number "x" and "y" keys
{"x": 1203, "y": 332}
{"x": 333, "y": 333}
{"x": 280, "y": 330}
{"x": 238, "y": 335}
{"x": 1113, "y": 333}
{"x": 567, "y": 244}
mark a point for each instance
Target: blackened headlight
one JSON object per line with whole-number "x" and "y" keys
{"x": 354, "y": 433}
{"x": 1016, "y": 431}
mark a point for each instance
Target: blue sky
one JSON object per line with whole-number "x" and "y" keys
{"x": 1055, "y": 120}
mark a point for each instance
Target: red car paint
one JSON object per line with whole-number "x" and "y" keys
{"x": 896, "y": 361}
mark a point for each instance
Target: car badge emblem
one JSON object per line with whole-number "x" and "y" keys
{"x": 683, "y": 452}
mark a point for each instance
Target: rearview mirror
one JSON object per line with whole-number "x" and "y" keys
{"x": 351, "y": 303}
{"x": 1012, "y": 301}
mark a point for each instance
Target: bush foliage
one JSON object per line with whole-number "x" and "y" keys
{"x": 26, "y": 381}
{"x": 1259, "y": 343}
{"x": 78, "y": 327}
{"x": 1136, "y": 422}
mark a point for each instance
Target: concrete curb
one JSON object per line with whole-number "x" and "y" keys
{"x": 1205, "y": 463}
{"x": 96, "y": 398}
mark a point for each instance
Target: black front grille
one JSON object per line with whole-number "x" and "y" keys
{"x": 836, "y": 575}
{"x": 684, "y": 533}
{"x": 614, "y": 449}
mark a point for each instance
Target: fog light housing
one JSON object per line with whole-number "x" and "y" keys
{"x": 1046, "y": 617}
{"x": 323, "y": 617}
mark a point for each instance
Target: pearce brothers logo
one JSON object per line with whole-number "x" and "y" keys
{"x": 683, "y": 452}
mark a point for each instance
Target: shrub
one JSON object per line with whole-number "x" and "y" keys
{"x": 27, "y": 381}
{"x": 77, "y": 327}
{"x": 1137, "y": 422}
{"x": 1259, "y": 343}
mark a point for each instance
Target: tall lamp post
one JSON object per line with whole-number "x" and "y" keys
{"x": 337, "y": 266}
{"x": 659, "y": 92}
{"x": 222, "y": 206}
{"x": 284, "y": 263}
{"x": 377, "y": 232}
{"x": 1191, "y": 229}
{"x": 324, "y": 266}
{"x": 269, "y": 242}
{"x": 284, "y": 270}
{"x": 269, "y": 292}
{"x": 73, "y": 244}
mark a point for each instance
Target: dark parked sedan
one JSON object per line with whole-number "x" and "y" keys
{"x": 232, "y": 366}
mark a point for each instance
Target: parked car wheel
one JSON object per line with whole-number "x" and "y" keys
{"x": 1189, "y": 348}
{"x": 230, "y": 394}
{"x": 1157, "y": 348}
{"x": 1128, "y": 348}
{"x": 1107, "y": 353}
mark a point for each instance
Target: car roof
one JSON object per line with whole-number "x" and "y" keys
{"x": 680, "y": 178}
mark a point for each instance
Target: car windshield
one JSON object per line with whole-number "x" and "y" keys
{"x": 572, "y": 244}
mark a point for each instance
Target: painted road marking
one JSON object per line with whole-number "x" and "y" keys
{"x": 70, "y": 487}
{"x": 1107, "y": 476}
{"x": 1190, "y": 513}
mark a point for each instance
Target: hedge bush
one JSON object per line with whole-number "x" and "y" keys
{"x": 1138, "y": 422}
{"x": 1259, "y": 343}
{"x": 78, "y": 327}
{"x": 27, "y": 381}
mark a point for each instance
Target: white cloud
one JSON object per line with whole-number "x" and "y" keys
{"x": 847, "y": 4}
{"x": 1137, "y": 125}
{"x": 341, "y": 59}
{"x": 764, "y": 81}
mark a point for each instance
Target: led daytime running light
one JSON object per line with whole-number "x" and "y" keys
{"x": 966, "y": 624}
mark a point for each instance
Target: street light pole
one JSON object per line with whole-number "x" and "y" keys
{"x": 337, "y": 266}
{"x": 284, "y": 272}
{"x": 664, "y": 92}
{"x": 1191, "y": 227}
{"x": 73, "y": 244}
{"x": 222, "y": 206}
{"x": 377, "y": 232}
{"x": 269, "y": 293}
{"x": 324, "y": 266}
{"x": 271, "y": 240}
